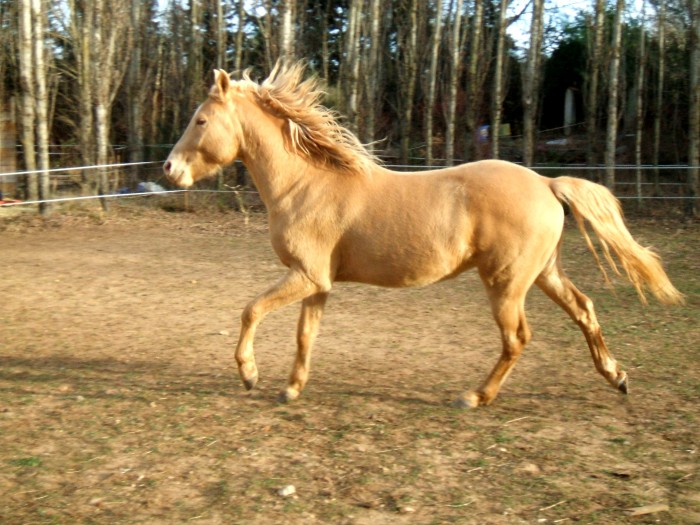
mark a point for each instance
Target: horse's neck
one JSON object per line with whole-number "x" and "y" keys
{"x": 274, "y": 169}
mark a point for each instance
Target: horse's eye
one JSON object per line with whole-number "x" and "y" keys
{"x": 201, "y": 121}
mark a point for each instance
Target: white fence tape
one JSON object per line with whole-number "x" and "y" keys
{"x": 394, "y": 166}
{"x": 79, "y": 168}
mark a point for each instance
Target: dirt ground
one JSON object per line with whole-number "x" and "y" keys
{"x": 120, "y": 401}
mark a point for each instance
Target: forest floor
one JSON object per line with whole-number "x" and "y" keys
{"x": 120, "y": 401}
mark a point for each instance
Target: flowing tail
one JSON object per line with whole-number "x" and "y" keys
{"x": 597, "y": 205}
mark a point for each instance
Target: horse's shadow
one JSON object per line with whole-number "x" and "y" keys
{"x": 106, "y": 377}
{"x": 140, "y": 380}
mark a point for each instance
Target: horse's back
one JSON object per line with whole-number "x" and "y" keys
{"x": 495, "y": 194}
{"x": 502, "y": 186}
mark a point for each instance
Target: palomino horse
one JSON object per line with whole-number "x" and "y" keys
{"x": 335, "y": 214}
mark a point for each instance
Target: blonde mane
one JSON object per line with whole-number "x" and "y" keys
{"x": 312, "y": 130}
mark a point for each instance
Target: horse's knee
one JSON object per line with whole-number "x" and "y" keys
{"x": 515, "y": 340}
{"x": 585, "y": 314}
{"x": 250, "y": 315}
{"x": 524, "y": 333}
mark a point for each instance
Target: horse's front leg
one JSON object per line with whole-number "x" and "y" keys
{"x": 293, "y": 287}
{"x": 309, "y": 321}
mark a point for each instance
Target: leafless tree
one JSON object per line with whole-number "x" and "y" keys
{"x": 531, "y": 79}
{"x": 27, "y": 107}
{"x": 264, "y": 18}
{"x": 350, "y": 68}
{"x": 613, "y": 95}
{"x": 476, "y": 55}
{"x": 639, "y": 105}
{"x": 592, "y": 95}
{"x": 221, "y": 34}
{"x": 374, "y": 77}
{"x": 455, "y": 70}
{"x": 661, "y": 39}
{"x": 41, "y": 100}
{"x": 693, "y": 208}
{"x": 409, "y": 71}
{"x": 287, "y": 32}
{"x": 432, "y": 81}
{"x": 240, "y": 36}
{"x": 135, "y": 84}
{"x": 497, "y": 103}
{"x": 110, "y": 49}
{"x": 34, "y": 109}
{"x": 195, "y": 65}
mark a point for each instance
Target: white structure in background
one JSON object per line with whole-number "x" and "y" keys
{"x": 569, "y": 111}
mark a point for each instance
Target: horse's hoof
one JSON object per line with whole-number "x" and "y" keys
{"x": 250, "y": 382}
{"x": 287, "y": 395}
{"x": 622, "y": 384}
{"x": 466, "y": 401}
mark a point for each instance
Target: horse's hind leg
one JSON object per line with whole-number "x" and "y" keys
{"x": 508, "y": 307}
{"x": 561, "y": 290}
{"x": 309, "y": 321}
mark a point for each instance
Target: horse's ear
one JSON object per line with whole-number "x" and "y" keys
{"x": 222, "y": 84}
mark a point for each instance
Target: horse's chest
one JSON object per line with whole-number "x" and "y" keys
{"x": 302, "y": 246}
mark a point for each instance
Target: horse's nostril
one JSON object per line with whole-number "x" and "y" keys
{"x": 167, "y": 167}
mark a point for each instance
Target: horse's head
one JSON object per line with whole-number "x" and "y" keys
{"x": 211, "y": 139}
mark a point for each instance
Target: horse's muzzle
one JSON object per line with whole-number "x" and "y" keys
{"x": 177, "y": 174}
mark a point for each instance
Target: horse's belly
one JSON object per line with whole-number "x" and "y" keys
{"x": 408, "y": 266}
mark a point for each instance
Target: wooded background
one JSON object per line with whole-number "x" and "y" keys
{"x": 435, "y": 82}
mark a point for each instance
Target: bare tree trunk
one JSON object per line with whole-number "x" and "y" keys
{"x": 299, "y": 27}
{"x": 176, "y": 101}
{"x": 432, "y": 81}
{"x": 373, "y": 80}
{"x": 42, "y": 104}
{"x": 287, "y": 33}
{"x": 355, "y": 62}
{"x": 109, "y": 65}
{"x": 324, "y": 14}
{"x": 692, "y": 208}
{"x": 497, "y": 103}
{"x": 194, "y": 56}
{"x": 240, "y": 34}
{"x": 265, "y": 27}
{"x": 101, "y": 122}
{"x": 135, "y": 88}
{"x": 475, "y": 54}
{"x": 409, "y": 74}
{"x": 594, "y": 74}
{"x": 531, "y": 81}
{"x": 661, "y": 36}
{"x": 220, "y": 64}
{"x": 220, "y": 35}
{"x": 641, "y": 67}
{"x": 81, "y": 35}
{"x": 27, "y": 114}
{"x": 350, "y": 82}
{"x": 455, "y": 71}
{"x": 613, "y": 95}
{"x": 157, "y": 95}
